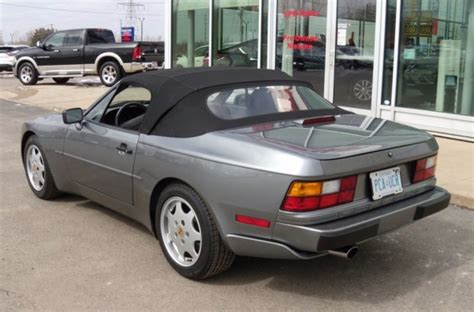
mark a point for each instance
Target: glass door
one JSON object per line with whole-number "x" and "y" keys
{"x": 354, "y": 53}
{"x": 301, "y": 40}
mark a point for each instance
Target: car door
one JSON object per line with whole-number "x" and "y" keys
{"x": 100, "y": 155}
{"x": 62, "y": 54}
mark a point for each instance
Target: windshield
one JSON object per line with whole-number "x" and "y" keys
{"x": 255, "y": 101}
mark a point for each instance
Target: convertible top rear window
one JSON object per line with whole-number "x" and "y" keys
{"x": 237, "y": 103}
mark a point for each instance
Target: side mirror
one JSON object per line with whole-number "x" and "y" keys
{"x": 39, "y": 44}
{"x": 72, "y": 116}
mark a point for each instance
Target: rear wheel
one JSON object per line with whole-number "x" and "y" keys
{"x": 188, "y": 234}
{"x": 61, "y": 80}
{"x": 110, "y": 73}
{"x": 37, "y": 170}
{"x": 27, "y": 74}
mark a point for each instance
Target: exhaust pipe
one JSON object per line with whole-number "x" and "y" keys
{"x": 347, "y": 252}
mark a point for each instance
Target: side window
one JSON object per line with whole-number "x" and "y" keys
{"x": 96, "y": 113}
{"x": 56, "y": 40}
{"x": 100, "y": 36}
{"x": 73, "y": 38}
{"x": 127, "y": 108}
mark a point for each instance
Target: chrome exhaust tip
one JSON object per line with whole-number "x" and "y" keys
{"x": 347, "y": 252}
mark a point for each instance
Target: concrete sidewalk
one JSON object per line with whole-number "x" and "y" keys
{"x": 455, "y": 169}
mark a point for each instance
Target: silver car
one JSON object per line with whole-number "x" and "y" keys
{"x": 224, "y": 162}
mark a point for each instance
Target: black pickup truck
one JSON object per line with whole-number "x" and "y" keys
{"x": 83, "y": 52}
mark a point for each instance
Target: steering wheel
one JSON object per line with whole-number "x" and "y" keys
{"x": 119, "y": 117}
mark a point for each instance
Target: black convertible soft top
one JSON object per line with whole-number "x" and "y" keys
{"x": 178, "y": 103}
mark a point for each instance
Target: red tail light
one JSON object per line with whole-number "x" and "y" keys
{"x": 137, "y": 54}
{"x": 252, "y": 221}
{"x": 309, "y": 196}
{"x": 425, "y": 169}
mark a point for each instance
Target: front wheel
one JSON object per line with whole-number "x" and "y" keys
{"x": 110, "y": 73}
{"x": 188, "y": 234}
{"x": 61, "y": 81}
{"x": 37, "y": 170}
{"x": 27, "y": 74}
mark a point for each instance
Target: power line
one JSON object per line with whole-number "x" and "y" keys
{"x": 68, "y": 10}
{"x": 131, "y": 6}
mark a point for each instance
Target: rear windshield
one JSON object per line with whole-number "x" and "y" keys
{"x": 240, "y": 103}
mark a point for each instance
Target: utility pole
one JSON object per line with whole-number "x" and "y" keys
{"x": 142, "y": 19}
{"x": 12, "y": 35}
{"x": 131, "y": 7}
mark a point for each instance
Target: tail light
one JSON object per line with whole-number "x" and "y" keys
{"x": 309, "y": 196}
{"x": 137, "y": 54}
{"x": 425, "y": 169}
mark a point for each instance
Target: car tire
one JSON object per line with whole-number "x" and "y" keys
{"x": 61, "y": 81}
{"x": 27, "y": 74}
{"x": 188, "y": 234}
{"x": 110, "y": 73}
{"x": 36, "y": 164}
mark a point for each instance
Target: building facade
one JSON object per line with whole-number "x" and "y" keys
{"x": 410, "y": 61}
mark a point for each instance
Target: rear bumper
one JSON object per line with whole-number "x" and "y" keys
{"x": 304, "y": 242}
{"x": 135, "y": 67}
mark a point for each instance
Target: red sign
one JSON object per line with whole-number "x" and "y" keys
{"x": 304, "y": 13}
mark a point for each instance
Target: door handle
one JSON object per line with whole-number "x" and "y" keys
{"x": 56, "y": 51}
{"x": 123, "y": 149}
{"x": 75, "y": 50}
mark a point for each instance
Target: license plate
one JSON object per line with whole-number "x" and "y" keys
{"x": 386, "y": 182}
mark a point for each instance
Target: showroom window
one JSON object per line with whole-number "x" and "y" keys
{"x": 301, "y": 40}
{"x": 436, "y": 70}
{"x": 190, "y": 33}
{"x": 235, "y": 33}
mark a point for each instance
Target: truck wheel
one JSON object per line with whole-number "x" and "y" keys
{"x": 188, "y": 234}
{"x": 61, "y": 80}
{"x": 27, "y": 74}
{"x": 110, "y": 73}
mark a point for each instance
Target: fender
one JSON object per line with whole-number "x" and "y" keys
{"x": 25, "y": 58}
{"x": 107, "y": 54}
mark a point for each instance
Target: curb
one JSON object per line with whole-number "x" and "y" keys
{"x": 462, "y": 201}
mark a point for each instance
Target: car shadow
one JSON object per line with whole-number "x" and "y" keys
{"x": 385, "y": 268}
{"x": 85, "y": 203}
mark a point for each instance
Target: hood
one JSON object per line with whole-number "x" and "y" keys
{"x": 347, "y": 135}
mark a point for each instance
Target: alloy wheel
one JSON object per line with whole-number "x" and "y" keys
{"x": 109, "y": 74}
{"x": 35, "y": 167}
{"x": 26, "y": 74}
{"x": 363, "y": 90}
{"x": 180, "y": 231}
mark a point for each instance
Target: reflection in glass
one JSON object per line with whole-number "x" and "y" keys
{"x": 354, "y": 53}
{"x": 301, "y": 40}
{"x": 190, "y": 33}
{"x": 235, "y": 28}
{"x": 437, "y": 56}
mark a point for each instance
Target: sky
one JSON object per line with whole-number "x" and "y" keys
{"x": 17, "y": 17}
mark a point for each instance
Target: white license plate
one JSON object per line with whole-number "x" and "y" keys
{"x": 386, "y": 182}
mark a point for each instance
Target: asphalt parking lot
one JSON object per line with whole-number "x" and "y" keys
{"x": 74, "y": 255}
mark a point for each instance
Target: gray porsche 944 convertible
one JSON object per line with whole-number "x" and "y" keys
{"x": 225, "y": 162}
